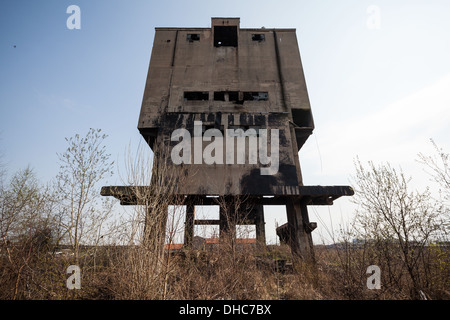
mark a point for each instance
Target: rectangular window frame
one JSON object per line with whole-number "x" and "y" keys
{"x": 196, "y": 96}
{"x": 256, "y": 96}
{"x": 191, "y": 37}
{"x": 225, "y": 36}
{"x": 258, "y": 37}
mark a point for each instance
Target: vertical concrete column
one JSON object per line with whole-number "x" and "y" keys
{"x": 189, "y": 225}
{"x": 260, "y": 224}
{"x": 224, "y": 220}
{"x": 227, "y": 217}
{"x": 300, "y": 239}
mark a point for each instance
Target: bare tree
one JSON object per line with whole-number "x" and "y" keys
{"x": 439, "y": 164}
{"x": 392, "y": 216}
{"x": 27, "y": 231}
{"x": 82, "y": 166}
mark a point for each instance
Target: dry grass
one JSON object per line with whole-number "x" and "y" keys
{"x": 142, "y": 269}
{"x": 225, "y": 272}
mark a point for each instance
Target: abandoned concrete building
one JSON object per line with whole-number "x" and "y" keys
{"x": 230, "y": 82}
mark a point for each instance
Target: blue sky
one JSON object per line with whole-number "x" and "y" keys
{"x": 380, "y": 94}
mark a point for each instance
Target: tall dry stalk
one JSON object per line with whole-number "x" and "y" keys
{"x": 146, "y": 265}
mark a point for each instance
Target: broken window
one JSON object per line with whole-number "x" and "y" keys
{"x": 196, "y": 96}
{"x": 191, "y": 37}
{"x": 226, "y": 96}
{"x": 258, "y": 37}
{"x": 233, "y": 96}
{"x": 256, "y": 96}
{"x": 225, "y": 36}
{"x": 240, "y": 97}
{"x": 219, "y": 96}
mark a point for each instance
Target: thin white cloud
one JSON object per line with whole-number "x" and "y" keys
{"x": 52, "y": 101}
{"x": 396, "y": 133}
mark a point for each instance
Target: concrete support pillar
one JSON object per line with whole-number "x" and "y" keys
{"x": 300, "y": 239}
{"x": 189, "y": 225}
{"x": 260, "y": 224}
{"x": 227, "y": 217}
{"x": 225, "y": 220}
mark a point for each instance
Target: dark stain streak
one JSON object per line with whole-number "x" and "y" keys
{"x": 255, "y": 183}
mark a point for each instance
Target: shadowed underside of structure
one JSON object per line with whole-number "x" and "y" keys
{"x": 313, "y": 195}
{"x": 296, "y": 233}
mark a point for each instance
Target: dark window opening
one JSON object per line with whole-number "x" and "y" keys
{"x": 302, "y": 117}
{"x": 258, "y": 37}
{"x": 225, "y": 36}
{"x": 219, "y": 96}
{"x": 256, "y": 96}
{"x": 196, "y": 96}
{"x": 239, "y": 97}
{"x": 191, "y": 37}
{"x": 226, "y": 96}
{"x": 233, "y": 96}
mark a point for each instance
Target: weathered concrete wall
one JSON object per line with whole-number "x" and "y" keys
{"x": 190, "y": 60}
